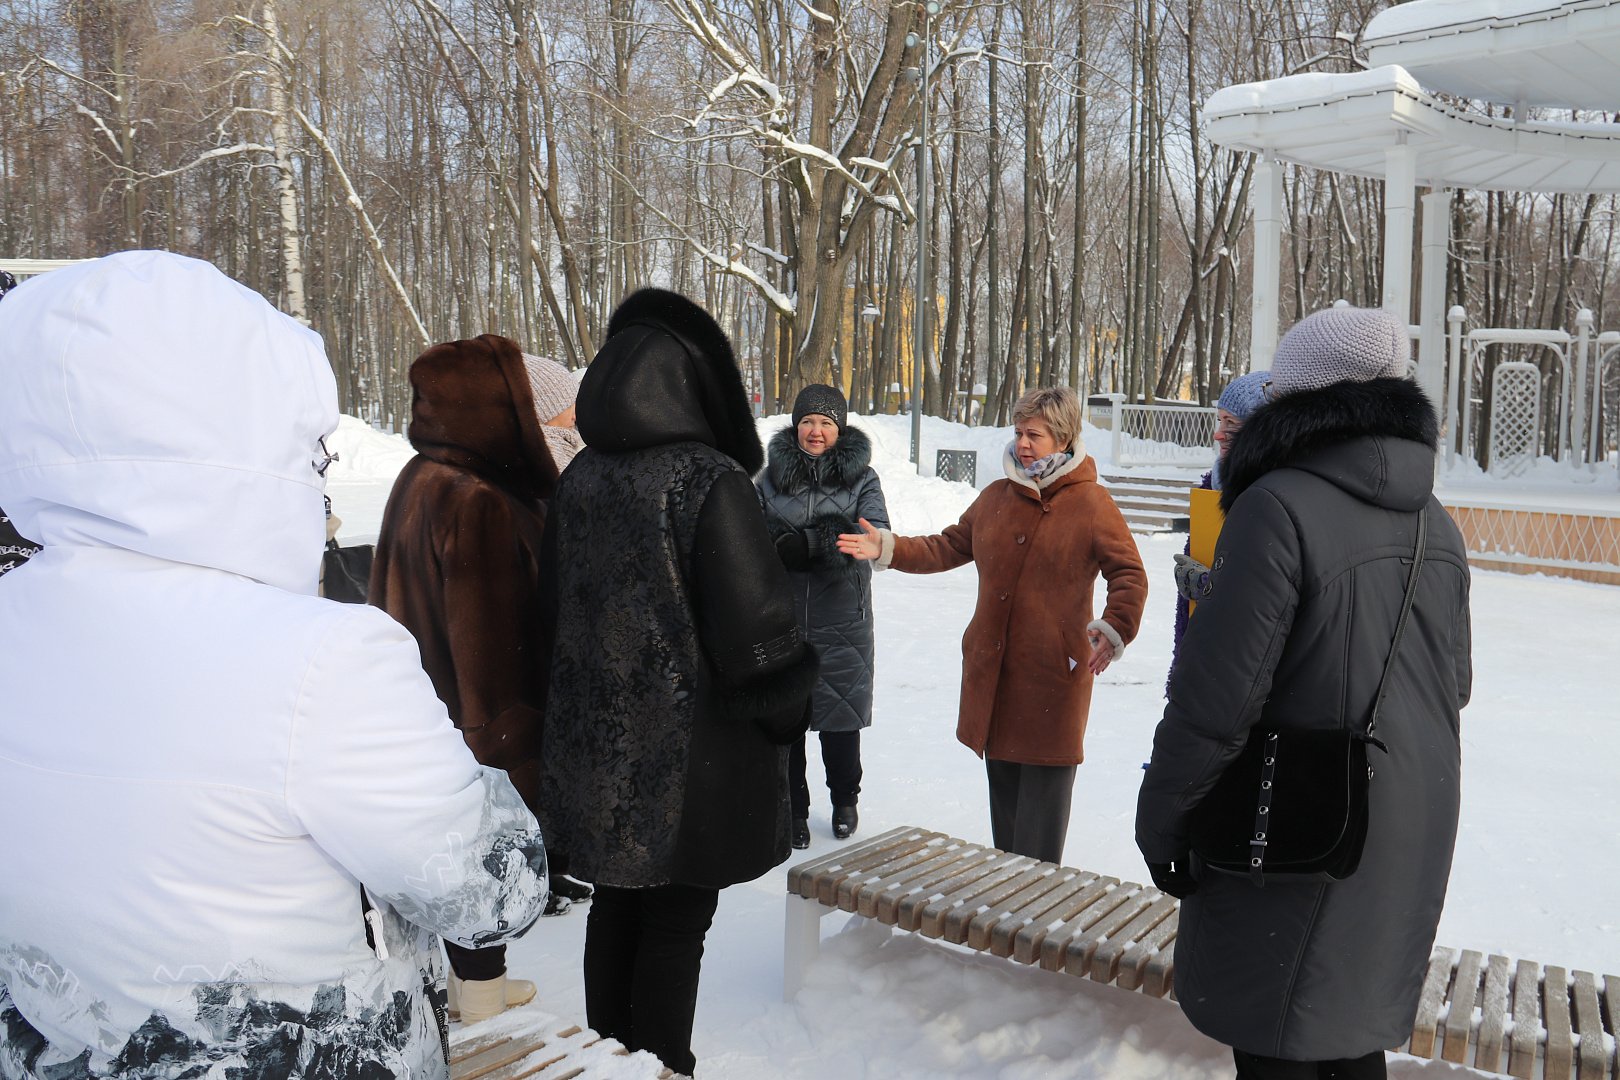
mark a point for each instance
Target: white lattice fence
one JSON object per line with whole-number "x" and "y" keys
{"x": 1515, "y": 417}
{"x": 1177, "y": 435}
{"x": 1582, "y": 544}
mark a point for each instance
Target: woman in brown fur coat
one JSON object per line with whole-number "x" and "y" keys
{"x": 458, "y": 563}
{"x": 1039, "y": 539}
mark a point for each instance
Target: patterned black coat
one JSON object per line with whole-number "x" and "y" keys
{"x": 808, "y": 501}
{"x": 1322, "y": 492}
{"x": 14, "y": 548}
{"x": 678, "y": 678}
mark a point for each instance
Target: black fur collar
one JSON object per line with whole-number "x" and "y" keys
{"x": 793, "y": 470}
{"x": 1298, "y": 426}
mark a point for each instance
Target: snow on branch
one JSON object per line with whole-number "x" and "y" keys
{"x": 207, "y": 156}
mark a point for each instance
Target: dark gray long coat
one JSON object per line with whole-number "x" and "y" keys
{"x": 678, "y": 678}
{"x": 818, "y": 497}
{"x": 1322, "y": 493}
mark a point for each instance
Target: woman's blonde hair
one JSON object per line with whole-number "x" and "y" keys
{"x": 1058, "y": 407}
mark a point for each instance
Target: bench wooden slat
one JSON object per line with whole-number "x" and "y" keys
{"x": 1493, "y": 1016}
{"x": 1105, "y": 963}
{"x": 1058, "y": 937}
{"x": 1147, "y": 964}
{"x": 888, "y": 900}
{"x": 1077, "y": 955}
{"x": 981, "y": 928}
{"x": 880, "y": 864}
{"x": 961, "y": 904}
{"x": 1028, "y": 941}
{"x": 1526, "y": 1021}
{"x": 993, "y": 901}
{"x": 1460, "y": 1020}
{"x": 1004, "y": 935}
{"x": 467, "y": 1046}
{"x": 908, "y": 908}
{"x": 1611, "y": 1010}
{"x": 1555, "y": 1014}
{"x": 797, "y": 875}
{"x": 1430, "y": 999}
{"x": 505, "y": 1052}
{"x": 1591, "y": 1056}
{"x": 863, "y": 892}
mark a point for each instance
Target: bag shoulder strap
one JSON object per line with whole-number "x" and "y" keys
{"x": 1406, "y": 611}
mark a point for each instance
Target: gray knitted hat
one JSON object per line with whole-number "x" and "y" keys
{"x": 554, "y": 387}
{"x": 823, "y": 400}
{"x": 1339, "y": 344}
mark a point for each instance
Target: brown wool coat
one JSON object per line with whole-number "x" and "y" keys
{"x": 458, "y": 556}
{"x": 1038, "y": 554}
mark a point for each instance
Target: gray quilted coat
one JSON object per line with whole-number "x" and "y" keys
{"x": 1322, "y": 492}
{"x": 818, "y": 497}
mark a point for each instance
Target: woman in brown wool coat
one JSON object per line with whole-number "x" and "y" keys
{"x": 1039, "y": 539}
{"x": 458, "y": 564}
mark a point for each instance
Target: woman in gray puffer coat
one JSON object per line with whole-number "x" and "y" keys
{"x": 818, "y": 483}
{"x": 1323, "y": 491}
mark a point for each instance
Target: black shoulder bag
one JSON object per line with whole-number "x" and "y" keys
{"x": 346, "y": 571}
{"x": 1293, "y": 806}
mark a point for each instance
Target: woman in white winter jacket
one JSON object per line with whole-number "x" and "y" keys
{"x": 236, "y": 813}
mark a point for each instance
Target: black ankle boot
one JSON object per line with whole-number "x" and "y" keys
{"x": 845, "y": 822}
{"x": 801, "y": 833}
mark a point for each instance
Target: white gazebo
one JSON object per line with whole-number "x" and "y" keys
{"x": 1387, "y": 123}
{"x": 1384, "y": 123}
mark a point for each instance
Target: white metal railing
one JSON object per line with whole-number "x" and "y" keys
{"x": 1181, "y": 436}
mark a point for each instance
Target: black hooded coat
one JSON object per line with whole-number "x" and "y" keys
{"x": 818, "y": 498}
{"x": 678, "y": 676}
{"x": 1322, "y": 495}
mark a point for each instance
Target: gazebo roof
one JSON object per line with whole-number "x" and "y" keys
{"x": 1506, "y": 51}
{"x": 1345, "y": 123}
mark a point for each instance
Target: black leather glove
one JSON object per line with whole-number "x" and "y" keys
{"x": 1172, "y": 878}
{"x": 793, "y": 550}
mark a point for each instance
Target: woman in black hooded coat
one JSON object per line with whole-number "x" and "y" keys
{"x": 1323, "y": 491}
{"x": 818, "y": 483}
{"x": 678, "y": 676}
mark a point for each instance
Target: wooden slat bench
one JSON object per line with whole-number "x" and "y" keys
{"x": 1520, "y": 1020}
{"x": 526, "y": 1044}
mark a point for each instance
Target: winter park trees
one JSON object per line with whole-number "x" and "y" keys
{"x": 397, "y": 171}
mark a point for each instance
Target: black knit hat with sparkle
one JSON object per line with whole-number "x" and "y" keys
{"x": 7, "y": 283}
{"x": 823, "y": 400}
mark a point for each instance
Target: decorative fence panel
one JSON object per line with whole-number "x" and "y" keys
{"x": 1180, "y": 436}
{"x": 1581, "y": 544}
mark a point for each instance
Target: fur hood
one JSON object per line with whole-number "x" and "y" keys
{"x": 666, "y": 374}
{"x": 472, "y": 408}
{"x": 792, "y": 470}
{"x": 1374, "y": 439}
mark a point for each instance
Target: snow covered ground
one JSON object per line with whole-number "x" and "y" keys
{"x": 1536, "y": 872}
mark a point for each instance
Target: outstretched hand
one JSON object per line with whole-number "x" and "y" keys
{"x": 865, "y": 545}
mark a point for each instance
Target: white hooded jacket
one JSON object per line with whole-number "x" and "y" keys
{"x": 201, "y": 762}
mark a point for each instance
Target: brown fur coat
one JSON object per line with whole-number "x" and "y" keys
{"x": 458, "y": 558}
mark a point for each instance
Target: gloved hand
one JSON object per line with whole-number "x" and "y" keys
{"x": 1172, "y": 878}
{"x": 793, "y": 550}
{"x": 823, "y": 538}
{"x": 1192, "y": 578}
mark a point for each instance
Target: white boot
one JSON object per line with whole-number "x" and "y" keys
{"x": 472, "y": 1000}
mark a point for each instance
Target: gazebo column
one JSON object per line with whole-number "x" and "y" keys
{"x": 1432, "y": 299}
{"x": 1266, "y": 198}
{"x": 1400, "y": 200}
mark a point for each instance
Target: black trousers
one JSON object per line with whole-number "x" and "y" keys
{"x": 476, "y": 965}
{"x": 841, "y": 755}
{"x": 643, "y": 951}
{"x": 1029, "y": 807}
{"x": 1255, "y": 1067}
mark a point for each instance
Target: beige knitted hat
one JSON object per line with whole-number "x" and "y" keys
{"x": 554, "y": 388}
{"x": 1339, "y": 344}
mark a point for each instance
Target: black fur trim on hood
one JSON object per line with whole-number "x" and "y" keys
{"x": 1298, "y": 426}
{"x": 718, "y": 387}
{"x": 841, "y": 465}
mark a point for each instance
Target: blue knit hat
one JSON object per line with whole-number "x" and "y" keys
{"x": 1244, "y": 394}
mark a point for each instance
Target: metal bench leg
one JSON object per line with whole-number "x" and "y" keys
{"x": 801, "y": 941}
